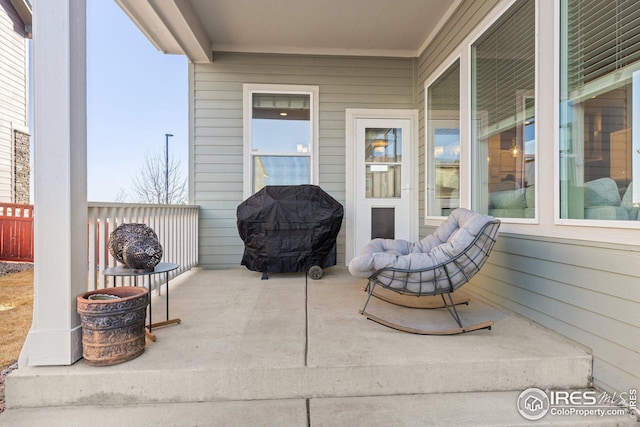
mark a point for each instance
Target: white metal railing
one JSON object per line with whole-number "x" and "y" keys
{"x": 175, "y": 225}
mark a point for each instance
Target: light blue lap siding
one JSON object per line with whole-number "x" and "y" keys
{"x": 217, "y": 144}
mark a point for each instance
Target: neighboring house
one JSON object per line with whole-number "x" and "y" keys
{"x": 15, "y": 31}
{"x": 522, "y": 109}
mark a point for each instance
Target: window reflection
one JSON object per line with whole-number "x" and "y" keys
{"x": 599, "y": 75}
{"x": 281, "y": 139}
{"x": 443, "y": 143}
{"x": 503, "y": 114}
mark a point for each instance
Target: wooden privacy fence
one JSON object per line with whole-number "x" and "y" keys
{"x": 16, "y": 232}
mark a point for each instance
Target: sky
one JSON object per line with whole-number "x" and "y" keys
{"x": 135, "y": 95}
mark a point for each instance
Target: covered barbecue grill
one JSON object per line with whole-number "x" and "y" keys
{"x": 289, "y": 228}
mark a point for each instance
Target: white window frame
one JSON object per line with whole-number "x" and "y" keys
{"x": 248, "y": 90}
{"x": 547, "y": 222}
{"x": 468, "y": 156}
{"x": 591, "y": 226}
{"x": 505, "y": 7}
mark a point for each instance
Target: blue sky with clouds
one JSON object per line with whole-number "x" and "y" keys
{"x": 135, "y": 95}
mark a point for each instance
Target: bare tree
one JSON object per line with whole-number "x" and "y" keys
{"x": 121, "y": 196}
{"x": 150, "y": 184}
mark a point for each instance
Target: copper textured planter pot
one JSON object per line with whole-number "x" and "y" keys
{"x": 113, "y": 327}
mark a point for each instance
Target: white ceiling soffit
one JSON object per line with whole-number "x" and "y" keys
{"x": 23, "y": 8}
{"x": 396, "y": 28}
{"x": 172, "y": 26}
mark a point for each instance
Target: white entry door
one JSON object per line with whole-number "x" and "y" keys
{"x": 383, "y": 180}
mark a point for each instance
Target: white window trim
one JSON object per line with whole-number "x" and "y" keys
{"x": 487, "y": 24}
{"x": 248, "y": 89}
{"x": 467, "y": 155}
{"x": 593, "y": 228}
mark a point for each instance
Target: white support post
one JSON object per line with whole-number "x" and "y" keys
{"x": 60, "y": 169}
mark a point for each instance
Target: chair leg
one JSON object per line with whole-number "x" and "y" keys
{"x": 413, "y": 301}
{"x": 452, "y": 311}
{"x": 450, "y": 307}
{"x": 370, "y": 287}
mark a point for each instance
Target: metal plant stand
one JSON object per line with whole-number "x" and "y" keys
{"x": 163, "y": 267}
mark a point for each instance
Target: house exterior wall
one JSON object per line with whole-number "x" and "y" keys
{"x": 216, "y": 143}
{"x": 465, "y": 18}
{"x": 14, "y": 106}
{"x": 582, "y": 282}
{"x": 579, "y": 281}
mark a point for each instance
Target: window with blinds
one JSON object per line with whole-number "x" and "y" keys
{"x": 503, "y": 114}
{"x": 602, "y": 37}
{"x": 504, "y": 65}
{"x": 600, "y": 79}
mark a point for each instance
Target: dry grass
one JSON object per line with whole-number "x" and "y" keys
{"x": 16, "y": 312}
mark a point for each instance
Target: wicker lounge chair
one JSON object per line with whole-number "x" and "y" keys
{"x": 435, "y": 266}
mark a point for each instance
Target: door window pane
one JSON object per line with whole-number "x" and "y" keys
{"x": 600, "y": 95}
{"x": 383, "y": 145}
{"x": 443, "y": 143}
{"x": 382, "y": 181}
{"x": 383, "y": 157}
{"x": 503, "y": 115}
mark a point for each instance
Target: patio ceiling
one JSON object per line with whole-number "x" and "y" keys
{"x": 195, "y": 28}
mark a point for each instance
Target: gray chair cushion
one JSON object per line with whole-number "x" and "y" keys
{"x": 513, "y": 199}
{"x": 606, "y": 213}
{"x": 601, "y": 192}
{"x": 507, "y": 213}
{"x": 627, "y": 203}
{"x": 452, "y": 237}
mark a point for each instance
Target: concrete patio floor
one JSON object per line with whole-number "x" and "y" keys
{"x": 291, "y": 351}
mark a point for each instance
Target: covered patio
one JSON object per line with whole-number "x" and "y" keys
{"x": 288, "y": 351}
{"x": 292, "y": 351}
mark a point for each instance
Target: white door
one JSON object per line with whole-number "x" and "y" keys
{"x": 383, "y": 180}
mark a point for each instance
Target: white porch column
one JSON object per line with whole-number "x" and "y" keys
{"x": 60, "y": 169}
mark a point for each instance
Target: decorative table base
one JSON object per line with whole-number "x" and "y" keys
{"x": 163, "y": 267}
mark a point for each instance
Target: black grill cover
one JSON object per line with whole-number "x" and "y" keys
{"x": 289, "y": 228}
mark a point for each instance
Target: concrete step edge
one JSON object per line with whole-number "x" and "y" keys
{"x": 438, "y": 409}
